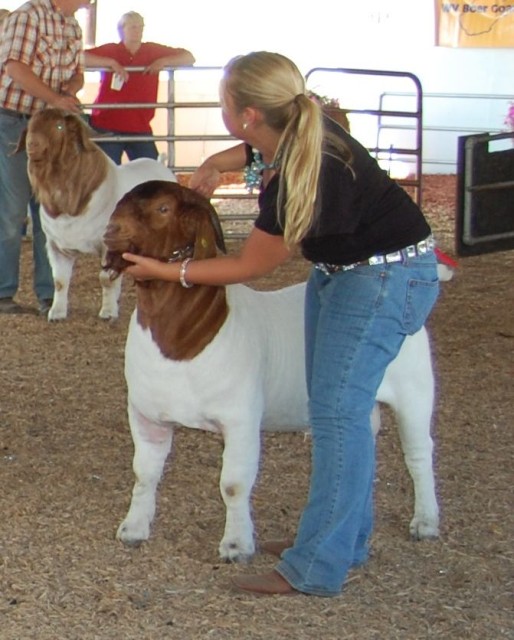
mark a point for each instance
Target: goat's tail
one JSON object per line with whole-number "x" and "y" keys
{"x": 445, "y": 265}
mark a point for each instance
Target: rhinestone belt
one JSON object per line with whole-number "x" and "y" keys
{"x": 413, "y": 250}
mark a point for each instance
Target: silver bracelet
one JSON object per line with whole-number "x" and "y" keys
{"x": 182, "y": 274}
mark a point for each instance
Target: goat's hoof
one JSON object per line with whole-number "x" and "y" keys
{"x": 56, "y": 317}
{"x": 423, "y": 530}
{"x": 57, "y": 312}
{"x": 129, "y": 541}
{"x": 132, "y": 544}
{"x": 132, "y": 535}
{"x": 237, "y": 559}
{"x": 234, "y": 552}
{"x": 108, "y": 315}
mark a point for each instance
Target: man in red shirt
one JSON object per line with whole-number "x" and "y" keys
{"x": 119, "y": 86}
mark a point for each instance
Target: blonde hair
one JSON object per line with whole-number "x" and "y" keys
{"x": 131, "y": 16}
{"x": 273, "y": 84}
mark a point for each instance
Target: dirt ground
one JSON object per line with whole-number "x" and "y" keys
{"x": 66, "y": 478}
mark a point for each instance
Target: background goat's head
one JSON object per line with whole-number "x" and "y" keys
{"x": 162, "y": 220}
{"x": 65, "y": 166}
{"x": 57, "y": 135}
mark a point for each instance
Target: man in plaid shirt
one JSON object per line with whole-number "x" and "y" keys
{"x": 41, "y": 64}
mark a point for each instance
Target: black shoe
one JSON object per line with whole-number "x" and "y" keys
{"x": 7, "y": 305}
{"x": 44, "y": 306}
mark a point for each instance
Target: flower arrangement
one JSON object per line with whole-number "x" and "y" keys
{"x": 324, "y": 101}
{"x": 332, "y": 107}
{"x": 509, "y": 118}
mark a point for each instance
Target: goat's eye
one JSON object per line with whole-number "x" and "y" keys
{"x": 163, "y": 208}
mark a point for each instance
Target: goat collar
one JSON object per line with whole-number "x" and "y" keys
{"x": 181, "y": 254}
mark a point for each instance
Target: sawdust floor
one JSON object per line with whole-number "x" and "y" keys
{"x": 65, "y": 477}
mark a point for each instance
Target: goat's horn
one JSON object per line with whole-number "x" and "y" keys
{"x": 220, "y": 240}
{"x": 22, "y": 142}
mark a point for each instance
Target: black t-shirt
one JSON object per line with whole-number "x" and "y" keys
{"x": 359, "y": 214}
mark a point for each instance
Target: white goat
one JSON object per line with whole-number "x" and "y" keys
{"x": 78, "y": 186}
{"x": 231, "y": 360}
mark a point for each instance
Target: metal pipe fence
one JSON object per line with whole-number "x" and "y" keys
{"x": 406, "y": 118}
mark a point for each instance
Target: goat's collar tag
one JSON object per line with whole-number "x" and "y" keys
{"x": 181, "y": 254}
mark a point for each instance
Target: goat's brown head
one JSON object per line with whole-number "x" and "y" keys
{"x": 162, "y": 220}
{"x": 65, "y": 166}
{"x": 55, "y": 135}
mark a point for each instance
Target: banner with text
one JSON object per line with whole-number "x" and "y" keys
{"x": 473, "y": 24}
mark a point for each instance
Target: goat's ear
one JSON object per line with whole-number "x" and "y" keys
{"x": 80, "y": 132}
{"x": 22, "y": 142}
{"x": 205, "y": 235}
{"x": 208, "y": 230}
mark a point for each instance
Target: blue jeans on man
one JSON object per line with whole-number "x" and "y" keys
{"x": 15, "y": 196}
{"x": 133, "y": 148}
{"x": 356, "y": 322}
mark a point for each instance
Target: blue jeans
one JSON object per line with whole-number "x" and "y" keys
{"x": 356, "y": 322}
{"x": 15, "y": 196}
{"x": 133, "y": 149}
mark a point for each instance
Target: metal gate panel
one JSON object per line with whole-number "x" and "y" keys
{"x": 375, "y": 85}
{"x": 485, "y": 194}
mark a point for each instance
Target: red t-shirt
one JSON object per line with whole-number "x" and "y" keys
{"x": 138, "y": 88}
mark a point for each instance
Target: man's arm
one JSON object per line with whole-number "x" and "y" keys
{"x": 74, "y": 85}
{"x": 32, "y": 84}
{"x": 94, "y": 60}
{"x": 178, "y": 58}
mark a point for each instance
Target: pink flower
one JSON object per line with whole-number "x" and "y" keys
{"x": 324, "y": 101}
{"x": 509, "y": 118}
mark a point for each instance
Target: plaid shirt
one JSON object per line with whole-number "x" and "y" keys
{"x": 49, "y": 43}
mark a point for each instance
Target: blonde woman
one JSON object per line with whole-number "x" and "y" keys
{"x": 373, "y": 281}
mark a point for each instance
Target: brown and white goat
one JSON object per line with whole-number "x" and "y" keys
{"x": 78, "y": 186}
{"x": 231, "y": 360}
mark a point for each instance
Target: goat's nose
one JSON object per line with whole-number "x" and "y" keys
{"x": 32, "y": 144}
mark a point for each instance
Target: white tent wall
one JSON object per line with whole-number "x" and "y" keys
{"x": 397, "y": 35}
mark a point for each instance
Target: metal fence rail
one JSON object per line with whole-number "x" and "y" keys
{"x": 407, "y": 118}
{"x": 456, "y": 130}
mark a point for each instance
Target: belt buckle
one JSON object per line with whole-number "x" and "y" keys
{"x": 411, "y": 251}
{"x": 422, "y": 247}
{"x": 396, "y": 256}
{"x": 375, "y": 260}
{"x": 426, "y": 245}
{"x": 321, "y": 266}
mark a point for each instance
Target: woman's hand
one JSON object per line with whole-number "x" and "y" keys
{"x": 205, "y": 180}
{"x": 145, "y": 268}
{"x": 207, "y": 177}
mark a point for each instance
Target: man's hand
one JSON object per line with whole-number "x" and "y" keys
{"x": 66, "y": 102}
